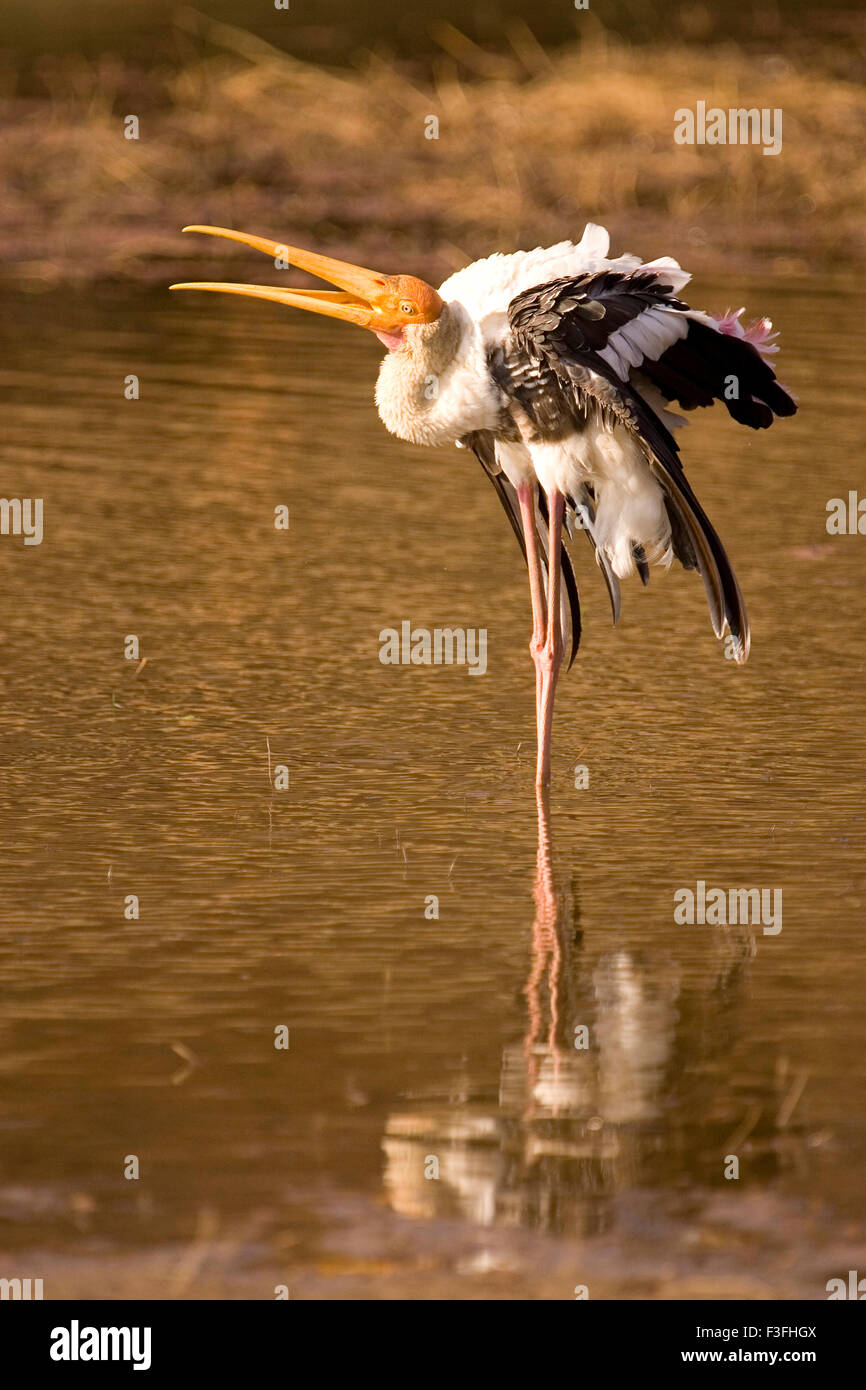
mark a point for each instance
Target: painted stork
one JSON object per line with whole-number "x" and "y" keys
{"x": 557, "y": 367}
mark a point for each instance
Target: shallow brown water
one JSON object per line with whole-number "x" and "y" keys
{"x": 412, "y": 1037}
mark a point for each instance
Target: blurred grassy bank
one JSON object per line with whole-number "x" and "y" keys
{"x": 530, "y": 144}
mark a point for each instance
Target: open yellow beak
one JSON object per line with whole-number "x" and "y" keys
{"x": 366, "y": 297}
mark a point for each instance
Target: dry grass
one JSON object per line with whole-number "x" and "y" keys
{"x": 528, "y": 148}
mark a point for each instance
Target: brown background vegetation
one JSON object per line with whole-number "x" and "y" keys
{"x": 309, "y": 125}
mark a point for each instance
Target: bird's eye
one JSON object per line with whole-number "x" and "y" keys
{"x": 407, "y": 307}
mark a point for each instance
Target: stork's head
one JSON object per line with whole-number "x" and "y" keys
{"x": 390, "y": 305}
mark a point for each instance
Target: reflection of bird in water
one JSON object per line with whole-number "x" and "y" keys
{"x": 556, "y": 366}
{"x": 632, "y": 1021}
{"x": 571, "y": 1125}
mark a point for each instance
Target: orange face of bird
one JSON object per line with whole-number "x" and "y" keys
{"x": 386, "y": 304}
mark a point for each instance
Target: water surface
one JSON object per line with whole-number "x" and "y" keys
{"x": 412, "y": 1037}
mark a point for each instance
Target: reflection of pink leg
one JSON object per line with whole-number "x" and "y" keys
{"x": 526, "y": 498}
{"x": 551, "y": 654}
{"x": 545, "y": 893}
{"x": 546, "y": 915}
{"x": 543, "y": 938}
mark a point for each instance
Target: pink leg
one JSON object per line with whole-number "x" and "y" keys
{"x": 552, "y": 652}
{"x": 526, "y": 498}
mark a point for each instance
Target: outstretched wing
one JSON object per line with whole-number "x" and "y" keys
{"x": 590, "y": 333}
{"x": 633, "y": 322}
{"x": 482, "y": 444}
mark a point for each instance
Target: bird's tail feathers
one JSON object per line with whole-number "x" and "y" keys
{"x": 696, "y": 545}
{"x": 581, "y": 513}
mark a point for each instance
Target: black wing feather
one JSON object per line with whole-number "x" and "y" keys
{"x": 562, "y": 327}
{"x": 698, "y": 369}
{"x": 587, "y": 310}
